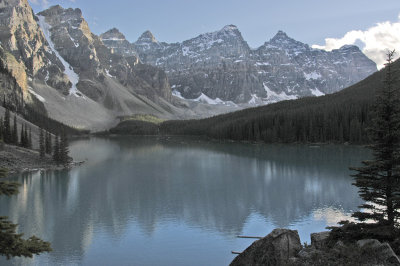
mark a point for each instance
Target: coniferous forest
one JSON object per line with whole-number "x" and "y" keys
{"x": 340, "y": 117}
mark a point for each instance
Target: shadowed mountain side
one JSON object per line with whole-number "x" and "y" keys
{"x": 339, "y": 117}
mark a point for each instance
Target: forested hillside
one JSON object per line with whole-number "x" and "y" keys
{"x": 339, "y": 117}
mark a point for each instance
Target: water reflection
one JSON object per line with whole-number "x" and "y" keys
{"x": 172, "y": 186}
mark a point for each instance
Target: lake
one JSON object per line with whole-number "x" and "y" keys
{"x": 179, "y": 201}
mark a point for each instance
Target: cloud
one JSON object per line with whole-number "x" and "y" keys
{"x": 376, "y": 41}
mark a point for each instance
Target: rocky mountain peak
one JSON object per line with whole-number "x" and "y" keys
{"x": 28, "y": 53}
{"x": 220, "y": 65}
{"x": 282, "y": 41}
{"x": 57, "y": 10}
{"x": 229, "y": 32}
{"x": 113, "y": 34}
{"x": 348, "y": 47}
{"x": 230, "y": 29}
{"x": 13, "y": 3}
{"x": 147, "y": 37}
{"x": 281, "y": 38}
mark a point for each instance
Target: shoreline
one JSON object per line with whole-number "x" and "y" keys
{"x": 21, "y": 160}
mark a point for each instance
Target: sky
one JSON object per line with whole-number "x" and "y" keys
{"x": 372, "y": 25}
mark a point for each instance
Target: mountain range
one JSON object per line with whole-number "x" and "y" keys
{"x": 52, "y": 61}
{"x": 220, "y": 67}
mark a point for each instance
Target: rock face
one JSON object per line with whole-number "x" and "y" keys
{"x": 277, "y": 248}
{"x": 91, "y": 61}
{"x": 58, "y": 62}
{"x": 28, "y": 53}
{"x": 383, "y": 251}
{"x": 117, "y": 42}
{"x": 319, "y": 240}
{"x": 222, "y": 65}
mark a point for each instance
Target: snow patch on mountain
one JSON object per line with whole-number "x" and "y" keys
{"x": 177, "y": 94}
{"x": 277, "y": 97}
{"x": 68, "y": 70}
{"x": 317, "y": 92}
{"x": 312, "y": 75}
{"x": 40, "y": 98}
{"x": 205, "y": 99}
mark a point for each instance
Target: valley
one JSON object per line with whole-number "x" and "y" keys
{"x": 155, "y": 133}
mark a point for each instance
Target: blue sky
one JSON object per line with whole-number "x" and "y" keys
{"x": 309, "y": 21}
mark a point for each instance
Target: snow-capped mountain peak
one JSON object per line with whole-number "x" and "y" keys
{"x": 221, "y": 65}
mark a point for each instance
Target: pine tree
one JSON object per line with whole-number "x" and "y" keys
{"x": 15, "y": 132}
{"x": 378, "y": 180}
{"x": 56, "y": 150}
{"x": 22, "y": 137}
{"x": 1, "y": 128}
{"x": 7, "y": 127}
{"x": 50, "y": 147}
{"x": 64, "y": 150}
{"x": 42, "y": 150}
{"x": 48, "y": 143}
{"x": 26, "y": 138}
{"x": 30, "y": 139}
{"x": 11, "y": 243}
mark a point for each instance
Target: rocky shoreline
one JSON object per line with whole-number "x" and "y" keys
{"x": 18, "y": 160}
{"x": 283, "y": 247}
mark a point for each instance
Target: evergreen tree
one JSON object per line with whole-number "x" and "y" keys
{"x": 56, "y": 150}
{"x": 30, "y": 139}
{"x": 11, "y": 243}
{"x": 7, "y": 127}
{"x": 378, "y": 180}
{"x": 64, "y": 150}
{"x": 26, "y": 139}
{"x": 22, "y": 137}
{"x": 15, "y": 132}
{"x": 1, "y": 128}
{"x": 42, "y": 150}
{"x": 48, "y": 143}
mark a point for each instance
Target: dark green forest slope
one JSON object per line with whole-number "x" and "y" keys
{"x": 338, "y": 117}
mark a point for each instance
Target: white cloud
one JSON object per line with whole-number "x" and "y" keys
{"x": 376, "y": 40}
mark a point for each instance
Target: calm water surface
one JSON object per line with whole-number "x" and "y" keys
{"x": 179, "y": 201}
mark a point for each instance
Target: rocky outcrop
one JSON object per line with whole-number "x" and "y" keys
{"x": 383, "y": 251}
{"x": 28, "y": 50}
{"x": 93, "y": 62}
{"x": 320, "y": 240}
{"x": 223, "y": 67}
{"x": 282, "y": 247}
{"x": 277, "y": 248}
{"x": 117, "y": 42}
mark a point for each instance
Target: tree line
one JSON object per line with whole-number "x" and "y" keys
{"x": 338, "y": 118}
{"x": 9, "y": 135}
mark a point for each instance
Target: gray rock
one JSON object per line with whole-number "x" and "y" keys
{"x": 387, "y": 254}
{"x": 370, "y": 243}
{"x": 93, "y": 61}
{"x": 339, "y": 245}
{"x": 319, "y": 240}
{"x": 221, "y": 65}
{"x": 277, "y": 248}
{"x": 382, "y": 251}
